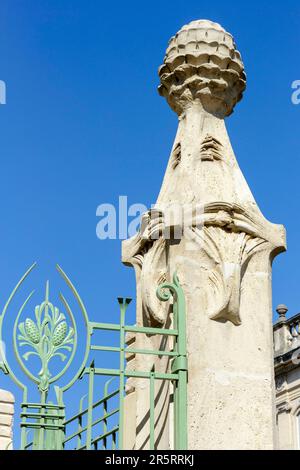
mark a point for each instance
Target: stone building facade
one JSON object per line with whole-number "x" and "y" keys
{"x": 287, "y": 379}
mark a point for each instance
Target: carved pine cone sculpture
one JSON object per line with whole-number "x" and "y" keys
{"x": 202, "y": 62}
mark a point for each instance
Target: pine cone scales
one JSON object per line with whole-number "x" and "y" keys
{"x": 32, "y": 331}
{"x": 202, "y": 62}
{"x": 59, "y": 333}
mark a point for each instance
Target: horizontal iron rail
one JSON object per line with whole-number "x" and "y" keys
{"x": 133, "y": 373}
{"x": 97, "y": 403}
{"x": 24, "y": 414}
{"x": 108, "y": 415}
{"x": 42, "y": 425}
{"x": 48, "y": 406}
{"x": 105, "y": 348}
{"x": 103, "y": 436}
{"x": 151, "y": 331}
{"x": 135, "y": 351}
{"x": 147, "y": 375}
{"x": 97, "y": 421}
{"x": 153, "y": 353}
{"x": 134, "y": 329}
{"x": 28, "y": 446}
{"x": 100, "y": 438}
{"x": 105, "y": 326}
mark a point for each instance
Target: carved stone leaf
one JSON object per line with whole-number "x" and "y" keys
{"x": 224, "y": 255}
{"x": 154, "y": 269}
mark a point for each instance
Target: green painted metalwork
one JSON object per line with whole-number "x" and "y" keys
{"x": 90, "y": 407}
{"x": 105, "y": 412}
{"x": 93, "y": 424}
{"x": 46, "y": 338}
{"x": 179, "y": 365}
{"x": 123, "y": 307}
{"x": 101, "y": 423}
{"x": 152, "y": 410}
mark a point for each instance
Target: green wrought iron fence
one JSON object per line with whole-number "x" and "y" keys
{"x": 93, "y": 442}
{"x": 98, "y": 425}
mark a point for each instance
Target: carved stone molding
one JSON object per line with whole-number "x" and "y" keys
{"x": 211, "y": 149}
{"x": 285, "y": 407}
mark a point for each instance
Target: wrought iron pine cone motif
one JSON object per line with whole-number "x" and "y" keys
{"x": 202, "y": 62}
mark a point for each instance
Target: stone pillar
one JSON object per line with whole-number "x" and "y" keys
{"x": 283, "y": 339}
{"x": 6, "y": 419}
{"x": 207, "y": 226}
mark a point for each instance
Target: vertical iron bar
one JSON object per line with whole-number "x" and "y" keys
{"x": 90, "y": 407}
{"x": 182, "y": 412}
{"x": 123, "y": 307}
{"x": 61, "y": 411}
{"x": 175, "y": 390}
{"x": 42, "y": 421}
{"x": 122, "y": 378}
{"x": 181, "y": 432}
{"x": 176, "y": 421}
{"x": 152, "y": 409}
{"x": 114, "y": 443}
{"x": 104, "y": 424}
{"x": 79, "y": 429}
{"x": 105, "y": 409}
{"x": 24, "y": 430}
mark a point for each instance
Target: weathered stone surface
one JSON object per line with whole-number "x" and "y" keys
{"x": 6, "y": 397}
{"x": 6, "y": 408}
{"x": 207, "y": 226}
{"x": 6, "y": 419}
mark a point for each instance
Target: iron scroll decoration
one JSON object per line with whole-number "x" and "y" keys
{"x": 50, "y": 334}
{"x": 165, "y": 291}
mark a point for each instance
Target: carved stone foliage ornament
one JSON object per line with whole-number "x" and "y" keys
{"x": 225, "y": 256}
{"x": 227, "y": 238}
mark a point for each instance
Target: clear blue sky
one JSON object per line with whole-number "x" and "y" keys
{"x": 84, "y": 124}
